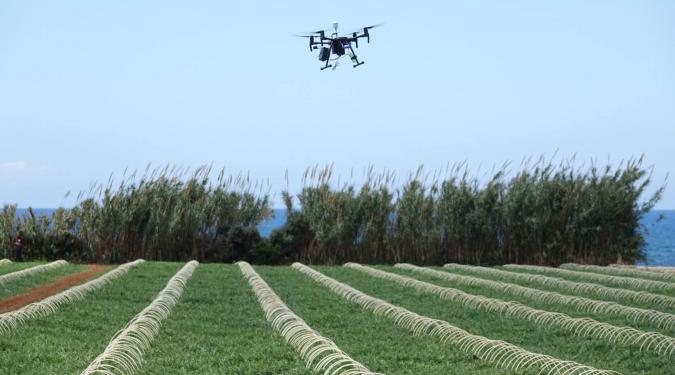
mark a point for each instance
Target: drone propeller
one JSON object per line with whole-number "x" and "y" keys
{"x": 311, "y": 40}
{"x": 373, "y": 26}
{"x": 365, "y": 32}
{"x": 365, "y": 29}
{"x": 321, "y": 33}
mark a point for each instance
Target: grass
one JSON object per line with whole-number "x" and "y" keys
{"x": 588, "y": 278}
{"x": 22, "y": 285}
{"x": 14, "y": 266}
{"x": 374, "y": 341}
{"x": 554, "y": 341}
{"x": 65, "y": 342}
{"x": 218, "y": 327}
{"x": 548, "y": 306}
{"x": 549, "y": 287}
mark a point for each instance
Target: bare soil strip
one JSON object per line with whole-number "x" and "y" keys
{"x": 46, "y": 290}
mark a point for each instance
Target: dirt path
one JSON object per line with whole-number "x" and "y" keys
{"x": 46, "y": 290}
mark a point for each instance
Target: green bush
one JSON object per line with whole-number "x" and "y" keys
{"x": 543, "y": 214}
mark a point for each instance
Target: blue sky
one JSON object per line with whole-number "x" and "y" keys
{"x": 89, "y": 88}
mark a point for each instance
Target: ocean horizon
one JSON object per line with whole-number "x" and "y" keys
{"x": 660, "y": 225}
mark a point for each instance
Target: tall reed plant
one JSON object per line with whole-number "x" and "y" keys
{"x": 162, "y": 214}
{"x": 544, "y": 213}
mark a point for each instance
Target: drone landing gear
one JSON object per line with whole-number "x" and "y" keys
{"x": 326, "y": 67}
{"x": 355, "y": 59}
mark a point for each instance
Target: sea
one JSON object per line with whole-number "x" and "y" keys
{"x": 660, "y": 225}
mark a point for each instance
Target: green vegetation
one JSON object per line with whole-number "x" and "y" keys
{"x": 551, "y": 341}
{"x": 372, "y": 340}
{"x": 16, "y": 287}
{"x": 663, "y": 288}
{"x": 543, "y": 214}
{"x": 166, "y": 214}
{"x": 548, "y": 305}
{"x": 644, "y": 300}
{"x": 66, "y": 341}
{"x": 218, "y": 327}
{"x": 13, "y": 267}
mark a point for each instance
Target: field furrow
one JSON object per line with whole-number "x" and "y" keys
{"x": 24, "y": 284}
{"x": 11, "y": 320}
{"x": 67, "y": 340}
{"x": 498, "y": 353}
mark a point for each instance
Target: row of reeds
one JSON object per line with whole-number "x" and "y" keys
{"x": 543, "y": 213}
{"x": 164, "y": 214}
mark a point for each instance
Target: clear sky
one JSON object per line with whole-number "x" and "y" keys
{"x": 93, "y": 87}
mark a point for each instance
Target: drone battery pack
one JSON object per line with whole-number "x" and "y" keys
{"x": 324, "y": 54}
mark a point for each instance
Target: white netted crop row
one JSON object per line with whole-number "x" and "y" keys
{"x": 124, "y": 353}
{"x": 657, "y": 318}
{"x": 31, "y": 271}
{"x": 319, "y": 353}
{"x": 624, "y": 282}
{"x": 12, "y": 319}
{"x": 498, "y": 353}
{"x": 617, "y": 271}
{"x": 657, "y": 269}
{"x": 649, "y": 341}
{"x": 5, "y": 261}
{"x": 575, "y": 287}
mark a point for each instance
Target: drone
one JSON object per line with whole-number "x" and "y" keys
{"x": 337, "y": 45}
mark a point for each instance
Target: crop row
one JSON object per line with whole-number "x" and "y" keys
{"x": 624, "y": 282}
{"x": 573, "y": 286}
{"x": 124, "y": 353}
{"x": 500, "y": 353}
{"x": 620, "y": 271}
{"x": 31, "y": 271}
{"x": 653, "y": 341}
{"x": 319, "y": 353}
{"x": 660, "y": 319}
{"x": 12, "y": 319}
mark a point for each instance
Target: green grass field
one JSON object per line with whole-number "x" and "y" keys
{"x": 218, "y": 326}
{"x": 24, "y": 284}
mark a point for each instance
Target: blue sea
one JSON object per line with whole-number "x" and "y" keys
{"x": 660, "y": 238}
